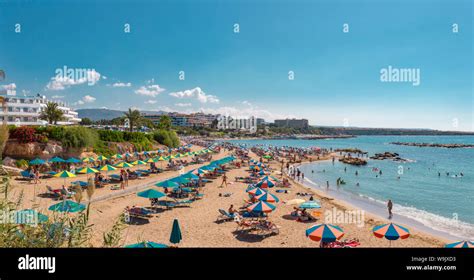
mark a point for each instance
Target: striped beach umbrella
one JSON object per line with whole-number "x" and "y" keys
{"x": 88, "y": 159}
{"x": 324, "y": 233}
{"x": 64, "y": 174}
{"x": 261, "y": 207}
{"x": 264, "y": 184}
{"x": 124, "y": 164}
{"x": 138, "y": 162}
{"x": 107, "y": 167}
{"x": 101, "y": 158}
{"x": 312, "y": 204}
{"x": 268, "y": 197}
{"x": 87, "y": 170}
{"x": 147, "y": 244}
{"x": 460, "y": 244}
{"x": 256, "y": 191}
{"x": 150, "y": 160}
{"x": 391, "y": 231}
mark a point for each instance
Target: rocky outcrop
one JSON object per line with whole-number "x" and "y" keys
{"x": 389, "y": 156}
{"x": 353, "y": 161}
{"x": 435, "y": 145}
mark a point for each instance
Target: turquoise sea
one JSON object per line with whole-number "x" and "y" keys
{"x": 443, "y": 203}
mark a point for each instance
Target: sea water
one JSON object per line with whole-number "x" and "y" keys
{"x": 442, "y": 202}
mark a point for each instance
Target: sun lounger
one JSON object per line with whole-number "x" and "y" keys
{"x": 186, "y": 202}
{"x": 139, "y": 212}
{"x": 224, "y": 216}
{"x": 55, "y": 193}
{"x": 83, "y": 184}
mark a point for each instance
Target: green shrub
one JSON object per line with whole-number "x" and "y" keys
{"x": 166, "y": 137}
{"x": 101, "y": 148}
{"x": 79, "y": 137}
{"x": 111, "y": 136}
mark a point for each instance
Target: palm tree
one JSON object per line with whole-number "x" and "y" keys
{"x": 51, "y": 113}
{"x": 165, "y": 122}
{"x": 134, "y": 117}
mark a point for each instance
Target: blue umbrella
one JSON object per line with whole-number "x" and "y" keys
{"x": 460, "y": 244}
{"x": 167, "y": 184}
{"x": 56, "y": 160}
{"x": 37, "y": 161}
{"x": 67, "y": 206}
{"x": 151, "y": 193}
{"x": 147, "y": 244}
{"x": 176, "y": 236}
{"x": 73, "y": 160}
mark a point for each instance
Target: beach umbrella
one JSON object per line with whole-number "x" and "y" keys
{"x": 199, "y": 171}
{"x": 391, "y": 231}
{"x": 175, "y": 236}
{"x": 56, "y": 160}
{"x": 268, "y": 197}
{"x": 261, "y": 207}
{"x": 312, "y": 204}
{"x": 64, "y": 174}
{"x": 107, "y": 168}
{"x": 73, "y": 160}
{"x": 101, "y": 158}
{"x": 87, "y": 170}
{"x": 167, "y": 184}
{"x": 190, "y": 176}
{"x": 295, "y": 201}
{"x": 180, "y": 180}
{"x": 324, "y": 232}
{"x": 88, "y": 159}
{"x": 67, "y": 206}
{"x": 460, "y": 244}
{"x": 124, "y": 164}
{"x": 147, "y": 244}
{"x": 256, "y": 191}
{"x": 29, "y": 216}
{"x": 37, "y": 161}
{"x": 265, "y": 184}
{"x": 119, "y": 156}
{"x": 150, "y": 160}
{"x": 138, "y": 162}
{"x": 151, "y": 193}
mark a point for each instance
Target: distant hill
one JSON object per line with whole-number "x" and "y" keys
{"x": 99, "y": 114}
{"x": 107, "y": 114}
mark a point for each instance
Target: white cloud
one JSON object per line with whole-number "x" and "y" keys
{"x": 73, "y": 77}
{"x": 151, "y": 90}
{"x": 120, "y": 84}
{"x": 196, "y": 93}
{"x": 88, "y": 99}
{"x": 182, "y": 104}
{"x": 57, "y": 96}
{"x": 10, "y": 88}
{"x": 150, "y": 102}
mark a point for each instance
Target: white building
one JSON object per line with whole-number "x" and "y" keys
{"x": 25, "y": 110}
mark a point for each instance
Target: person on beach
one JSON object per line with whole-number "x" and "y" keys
{"x": 224, "y": 181}
{"x": 232, "y": 210}
{"x": 37, "y": 177}
{"x": 327, "y": 185}
{"x": 389, "y": 207}
{"x": 357, "y": 173}
{"x": 122, "y": 180}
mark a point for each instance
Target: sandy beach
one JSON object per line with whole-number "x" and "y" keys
{"x": 198, "y": 221}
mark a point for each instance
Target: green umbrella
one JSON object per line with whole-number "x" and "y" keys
{"x": 107, "y": 168}
{"x": 67, "y": 206}
{"x": 37, "y": 161}
{"x": 124, "y": 164}
{"x": 138, "y": 162}
{"x": 180, "y": 180}
{"x": 151, "y": 193}
{"x": 87, "y": 170}
{"x": 167, "y": 184}
{"x": 146, "y": 244}
{"x": 176, "y": 236}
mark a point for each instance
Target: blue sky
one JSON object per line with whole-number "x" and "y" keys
{"x": 337, "y": 74}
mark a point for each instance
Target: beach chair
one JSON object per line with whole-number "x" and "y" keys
{"x": 139, "y": 212}
{"x": 54, "y": 193}
{"x": 224, "y": 216}
{"x": 185, "y": 203}
{"x": 114, "y": 178}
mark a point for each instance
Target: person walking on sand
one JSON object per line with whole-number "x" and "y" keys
{"x": 224, "y": 181}
{"x": 389, "y": 207}
{"x": 327, "y": 185}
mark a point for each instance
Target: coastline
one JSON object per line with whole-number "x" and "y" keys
{"x": 348, "y": 200}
